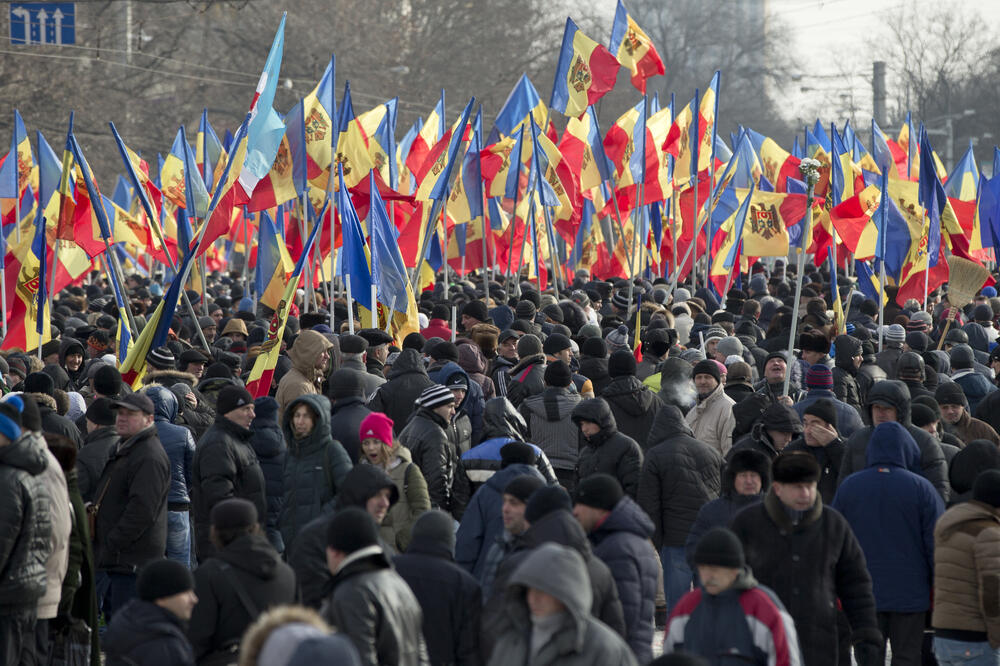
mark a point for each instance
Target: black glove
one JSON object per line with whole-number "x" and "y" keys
{"x": 868, "y": 647}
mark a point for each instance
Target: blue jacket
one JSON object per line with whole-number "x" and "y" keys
{"x": 482, "y": 522}
{"x": 269, "y": 445}
{"x": 974, "y": 385}
{"x": 177, "y": 442}
{"x": 892, "y": 512}
{"x": 848, "y": 418}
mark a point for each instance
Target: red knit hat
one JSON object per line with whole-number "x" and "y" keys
{"x": 377, "y": 425}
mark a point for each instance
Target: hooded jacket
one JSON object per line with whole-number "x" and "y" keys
{"x": 633, "y": 404}
{"x": 346, "y": 415}
{"x": 963, "y": 469}
{"x": 712, "y": 420}
{"x": 413, "y": 501}
{"x": 932, "y": 463}
{"x": 502, "y": 424}
{"x": 92, "y": 458}
{"x": 471, "y": 359}
{"x": 482, "y": 522}
{"x": 374, "y": 607}
{"x": 845, "y": 387}
{"x": 303, "y": 378}
{"x": 550, "y": 426}
{"x": 431, "y": 443}
{"x": 307, "y": 554}
{"x": 892, "y": 512}
{"x": 251, "y": 564}
{"x": 579, "y": 639}
{"x": 398, "y": 396}
{"x": 225, "y": 466}
{"x": 144, "y": 633}
{"x": 680, "y": 474}
{"x": 77, "y": 378}
{"x": 596, "y": 370}
{"x": 967, "y": 569}
{"x": 54, "y": 422}
{"x": 622, "y": 542}
{"x": 269, "y": 444}
{"x": 468, "y": 422}
{"x": 315, "y": 467}
{"x": 608, "y": 451}
{"x": 25, "y": 525}
{"x": 177, "y": 442}
{"x": 132, "y": 518}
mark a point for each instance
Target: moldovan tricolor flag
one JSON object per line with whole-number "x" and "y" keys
{"x": 586, "y": 71}
{"x": 634, "y": 49}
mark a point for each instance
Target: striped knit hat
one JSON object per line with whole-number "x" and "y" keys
{"x": 435, "y": 395}
{"x": 162, "y": 358}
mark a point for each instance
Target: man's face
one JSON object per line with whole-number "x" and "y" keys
{"x": 812, "y": 356}
{"x": 216, "y": 314}
{"x": 543, "y": 604}
{"x": 951, "y": 413}
{"x": 513, "y": 515}
{"x": 241, "y": 416}
{"x": 180, "y": 604}
{"x": 747, "y": 483}
{"x": 566, "y": 355}
{"x": 857, "y": 359}
{"x": 379, "y": 352}
{"x": 779, "y": 439}
{"x": 73, "y": 361}
{"x": 195, "y": 369}
{"x": 209, "y": 333}
{"x": 508, "y": 349}
{"x": 883, "y": 414}
{"x": 704, "y": 383}
{"x": 797, "y": 496}
{"x": 930, "y": 427}
{"x": 774, "y": 371}
{"x": 51, "y": 359}
{"x": 447, "y": 412}
{"x": 710, "y": 346}
{"x": 132, "y": 421}
{"x": 468, "y": 322}
{"x": 716, "y": 579}
{"x": 589, "y": 428}
{"x": 378, "y": 505}
{"x": 995, "y": 366}
{"x": 322, "y": 360}
{"x": 588, "y": 516}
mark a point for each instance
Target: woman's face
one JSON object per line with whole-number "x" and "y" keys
{"x": 302, "y": 421}
{"x": 372, "y": 450}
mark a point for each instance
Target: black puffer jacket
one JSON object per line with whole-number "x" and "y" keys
{"x": 845, "y": 387}
{"x": 810, "y": 565}
{"x": 609, "y": 451}
{"x": 346, "y": 415}
{"x": 220, "y": 618}
{"x": 679, "y": 476}
{"x": 397, "y": 397}
{"x": 225, "y": 466}
{"x": 830, "y": 459}
{"x": 53, "y": 422}
{"x": 269, "y": 445}
{"x": 315, "y": 467}
{"x": 622, "y": 542}
{"x": 144, "y": 633}
{"x": 90, "y": 462}
{"x": 596, "y": 370}
{"x": 132, "y": 519}
{"x": 25, "y": 525}
{"x": 307, "y": 554}
{"x": 526, "y": 379}
{"x": 428, "y": 437}
{"x": 633, "y": 404}
{"x": 932, "y": 463}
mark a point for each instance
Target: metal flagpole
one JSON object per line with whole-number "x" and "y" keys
{"x": 350, "y": 304}
{"x": 486, "y": 273}
{"x": 808, "y": 167}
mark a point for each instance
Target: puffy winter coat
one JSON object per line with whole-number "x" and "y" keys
{"x": 892, "y": 512}
{"x": 471, "y": 358}
{"x": 889, "y": 357}
{"x": 198, "y": 418}
{"x": 369, "y": 382}
{"x": 596, "y": 370}
{"x": 845, "y": 386}
{"x": 427, "y": 436}
{"x": 680, "y": 474}
{"x": 633, "y": 404}
{"x": 526, "y": 379}
{"x": 249, "y": 564}
{"x": 225, "y": 466}
{"x": 144, "y": 633}
{"x": 177, "y": 442}
{"x": 712, "y": 420}
{"x": 413, "y": 501}
{"x": 810, "y": 565}
{"x": 966, "y": 568}
{"x": 398, "y": 396}
{"x": 315, "y": 467}
{"x": 57, "y": 563}
{"x": 269, "y": 445}
{"x": 622, "y": 542}
{"x": 932, "y": 462}
{"x": 376, "y": 609}
{"x": 92, "y": 458}
{"x": 53, "y": 422}
{"x": 132, "y": 519}
{"x": 608, "y": 451}
{"x": 974, "y": 385}
{"x": 346, "y": 415}
{"x": 25, "y": 525}
{"x": 550, "y": 426}
{"x": 482, "y": 522}
{"x": 303, "y": 378}
{"x": 468, "y": 422}
{"x": 830, "y": 459}
{"x": 579, "y": 641}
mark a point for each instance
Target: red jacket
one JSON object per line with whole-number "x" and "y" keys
{"x": 436, "y": 328}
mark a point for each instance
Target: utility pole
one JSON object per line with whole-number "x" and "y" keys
{"x": 878, "y": 92}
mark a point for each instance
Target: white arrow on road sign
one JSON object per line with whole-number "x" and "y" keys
{"x": 42, "y": 17}
{"x": 57, "y": 17}
{"x": 25, "y": 16}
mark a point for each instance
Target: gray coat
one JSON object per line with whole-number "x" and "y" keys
{"x": 550, "y": 426}
{"x": 368, "y": 380}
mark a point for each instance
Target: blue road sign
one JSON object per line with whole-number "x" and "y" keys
{"x": 43, "y": 23}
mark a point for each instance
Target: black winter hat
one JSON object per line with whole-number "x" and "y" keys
{"x": 39, "y": 382}
{"x": 346, "y": 383}
{"x": 977, "y": 456}
{"x": 102, "y": 412}
{"x": 556, "y": 343}
{"x": 476, "y": 310}
{"x": 986, "y": 489}
{"x": 351, "y": 529}
{"x": 433, "y": 528}
{"x": 950, "y": 393}
{"x": 553, "y": 312}
{"x": 795, "y": 467}
{"x": 523, "y": 486}
{"x": 750, "y": 460}
{"x": 444, "y": 351}
{"x": 414, "y": 341}
{"x": 823, "y": 409}
{"x": 525, "y": 310}
{"x": 706, "y": 367}
{"x": 217, "y": 369}
{"x": 721, "y": 548}
{"x": 814, "y": 341}
{"x": 163, "y": 578}
{"x": 529, "y": 345}
{"x": 595, "y": 348}
{"x": 558, "y": 374}
{"x": 782, "y": 418}
{"x": 917, "y": 341}
{"x": 353, "y": 344}
{"x": 232, "y": 397}
{"x": 622, "y": 364}
{"x": 233, "y": 513}
{"x": 513, "y": 453}
{"x": 162, "y": 358}
{"x": 600, "y": 491}
{"x": 544, "y": 501}
{"x": 962, "y": 357}
{"x": 921, "y": 415}
{"x": 107, "y": 380}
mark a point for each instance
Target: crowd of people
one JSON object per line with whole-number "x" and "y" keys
{"x": 532, "y": 478}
